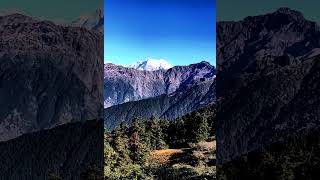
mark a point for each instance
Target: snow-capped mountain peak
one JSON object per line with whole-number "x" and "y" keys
{"x": 152, "y": 65}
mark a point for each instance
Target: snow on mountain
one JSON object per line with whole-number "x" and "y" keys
{"x": 152, "y": 65}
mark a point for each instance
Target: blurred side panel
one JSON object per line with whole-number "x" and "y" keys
{"x": 51, "y": 89}
{"x": 268, "y": 90}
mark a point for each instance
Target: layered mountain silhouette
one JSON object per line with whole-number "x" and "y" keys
{"x": 168, "y": 94}
{"x": 268, "y": 83}
{"x": 165, "y": 106}
{"x": 49, "y": 75}
{"x": 122, "y": 84}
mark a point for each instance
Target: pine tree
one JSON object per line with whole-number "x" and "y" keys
{"x": 138, "y": 148}
{"x": 120, "y": 142}
{"x": 165, "y": 124}
{"x": 155, "y": 134}
{"x": 201, "y": 130}
{"x": 177, "y": 133}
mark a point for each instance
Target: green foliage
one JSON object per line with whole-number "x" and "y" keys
{"x": 127, "y": 148}
{"x": 120, "y": 143}
{"x": 155, "y": 134}
{"x": 138, "y": 148}
{"x": 201, "y": 128}
{"x": 177, "y": 133}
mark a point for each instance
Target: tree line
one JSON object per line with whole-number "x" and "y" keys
{"x": 127, "y": 147}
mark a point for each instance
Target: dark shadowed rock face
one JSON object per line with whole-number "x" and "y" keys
{"x": 123, "y": 84}
{"x": 268, "y": 80}
{"x": 66, "y": 151}
{"x": 169, "y": 107}
{"x": 49, "y": 75}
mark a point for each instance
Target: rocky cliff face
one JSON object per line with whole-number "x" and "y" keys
{"x": 268, "y": 81}
{"x": 49, "y": 75}
{"x": 165, "y": 106}
{"x": 123, "y": 84}
{"x": 65, "y": 152}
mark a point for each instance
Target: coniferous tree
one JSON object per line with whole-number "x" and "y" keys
{"x": 177, "y": 133}
{"x": 155, "y": 134}
{"x": 120, "y": 142}
{"x": 138, "y": 148}
{"x": 165, "y": 124}
{"x": 201, "y": 128}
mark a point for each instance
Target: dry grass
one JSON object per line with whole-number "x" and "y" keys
{"x": 163, "y": 156}
{"x": 204, "y": 146}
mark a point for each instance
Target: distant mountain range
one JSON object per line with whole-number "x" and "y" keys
{"x": 152, "y": 65}
{"x": 123, "y": 84}
{"x": 170, "y": 107}
{"x": 168, "y": 94}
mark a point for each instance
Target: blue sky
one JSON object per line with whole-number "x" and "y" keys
{"x": 180, "y": 31}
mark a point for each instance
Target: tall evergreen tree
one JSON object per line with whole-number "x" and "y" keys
{"x": 177, "y": 133}
{"x": 201, "y": 128}
{"x": 165, "y": 124}
{"x": 138, "y": 148}
{"x": 120, "y": 142}
{"x": 155, "y": 134}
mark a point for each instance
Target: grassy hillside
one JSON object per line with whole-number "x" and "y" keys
{"x": 162, "y": 149}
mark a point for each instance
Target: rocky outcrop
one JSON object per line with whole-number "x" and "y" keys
{"x": 267, "y": 81}
{"x": 49, "y": 75}
{"x": 64, "y": 152}
{"x": 123, "y": 84}
{"x": 165, "y": 106}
